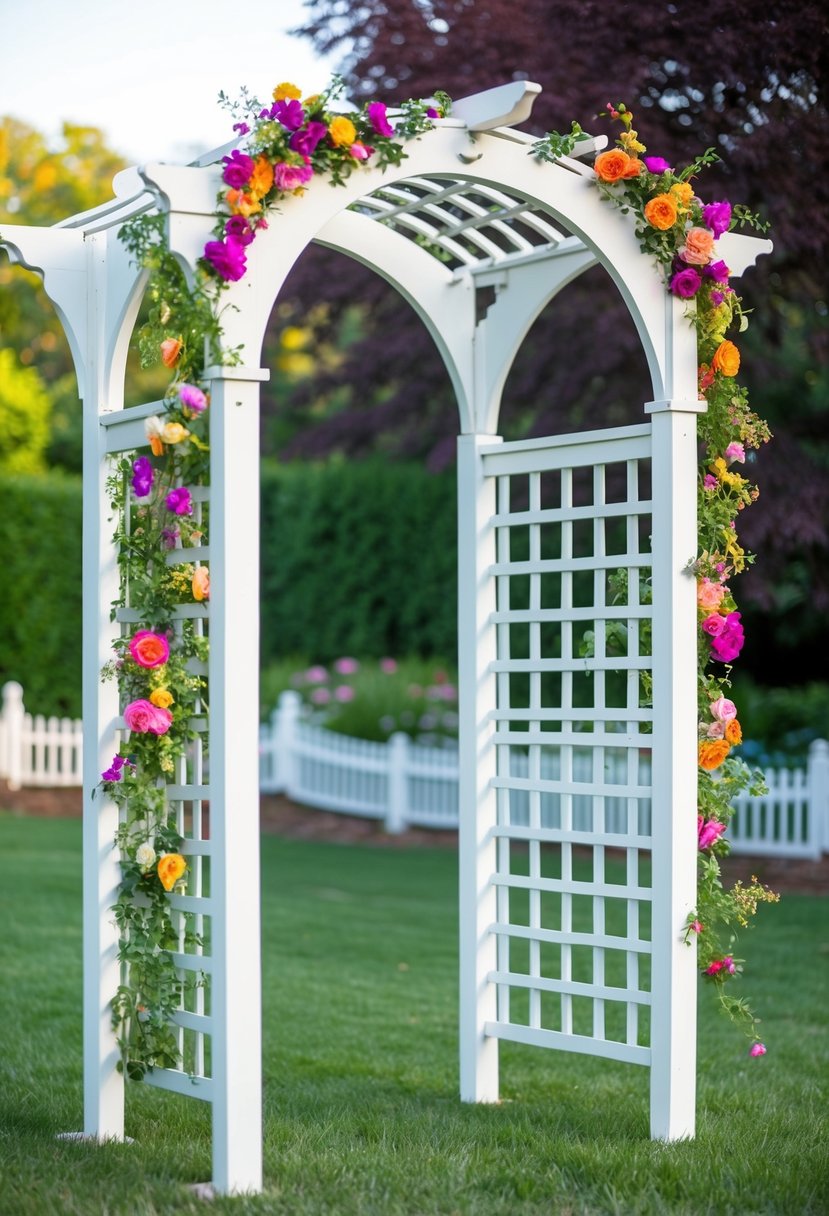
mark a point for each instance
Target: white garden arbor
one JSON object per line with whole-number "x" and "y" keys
{"x": 557, "y": 536}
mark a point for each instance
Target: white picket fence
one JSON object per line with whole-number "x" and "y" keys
{"x": 406, "y": 784}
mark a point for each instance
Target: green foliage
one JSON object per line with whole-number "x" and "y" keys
{"x": 40, "y": 638}
{"x": 357, "y": 559}
{"x": 24, "y": 417}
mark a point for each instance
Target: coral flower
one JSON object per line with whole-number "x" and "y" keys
{"x": 733, "y": 733}
{"x": 709, "y": 595}
{"x": 661, "y": 212}
{"x": 726, "y": 359}
{"x": 149, "y": 649}
{"x": 153, "y": 428}
{"x": 698, "y": 247}
{"x": 161, "y": 698}
{"x": 170, "y": 351}
{"x": 342, "y": 131}
{"x": 170, "y": 869}
{"x": 201, "y": 583}
{"x": 712, "y": 752}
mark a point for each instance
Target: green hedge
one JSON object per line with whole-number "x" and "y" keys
{"x": 40, "y": 606}
{"x": 356, "y": 559}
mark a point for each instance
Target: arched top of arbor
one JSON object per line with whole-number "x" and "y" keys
{"x": 469, "y": 225}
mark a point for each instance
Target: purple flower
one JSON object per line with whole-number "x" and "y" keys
{"x": 116, "y": 769}
{"x": 656, "y": 164}
{"x": 717, "y": 298}
{"x": 289, "y": 112}
{"x": 686, "y": 283}
{"x": 718, "y": 271}
{"x": 179, "y": 501}
{"x": 241, "y": 127}
{"x": 169, "y": 536}
{"x": 729, "y": 643}
{"x": 239, "y": 229}
{"x": 237, "y": 170}
{"x": 710, "y": 482}
{"x": 142, "y": 477}
{"x": 227, "y": 258}
{"x": 376, "y": 111}
{"x": 192, "y": 397}
{"x": 346, "y": 666}
{"x": 290, "y": 177}
{"x": 717, "y": 217}
{"x": 431, "y": 112}
{"x": 305, "y": 142}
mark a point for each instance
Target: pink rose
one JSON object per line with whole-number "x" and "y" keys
{"x": 145, "y": 718}
{"x": 723, "y": 710}
{"x": 709, "y": 595}
{"x": 757, "y": 1049}
{"x": 727, "y": 642}
{"x": 149, "y": 649}
{"x": 735, "y": 451}
{"x": 708, "y": 830}
{"x": 714, "y": 624}
{"x": 715, "y": 731}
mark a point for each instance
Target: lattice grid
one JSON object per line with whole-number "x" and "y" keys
{"x": 573, "y": 741}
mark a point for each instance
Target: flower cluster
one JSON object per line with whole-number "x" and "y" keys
{"x": 675, "y": 225}
{"x": 285, "y": 144}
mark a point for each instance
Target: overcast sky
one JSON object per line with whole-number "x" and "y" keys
{"x": 148, "y": 72}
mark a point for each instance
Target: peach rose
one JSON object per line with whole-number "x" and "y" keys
{"x": 633, "y": 168}
{"x": 170, "y": 351}
{"x": 170, "y": 869}
{"x": 712, "y": 752}
{"x": 201, "y": 583}
{"x": 709, "y": 595}
{"x": 342, "y": 131}
{"x": 661, "y": 212}
{"x": 698, "y": 248}
{"x": 612, "y": 166}
{"x": 726, "y": 359}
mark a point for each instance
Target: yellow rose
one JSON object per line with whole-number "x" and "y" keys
{"x": 342, "y": 131}
{"x": 170, "y": 869}
{"x": 286, "y": 92}
{"x": 161, "y": 697}
{"x": 174, "y": 432}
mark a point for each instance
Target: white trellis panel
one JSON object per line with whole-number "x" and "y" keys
{"x": 562, "y": 928}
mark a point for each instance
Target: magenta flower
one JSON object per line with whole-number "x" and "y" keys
{"x": 708, "y": 830}
{"x": 685, "y": 283}
{"x": 344, "y": 692}
{"x": 735, "y": 451}
{"x": 726, "y": 645}
{"x": 360, "y": 151}
{"x": 757, "y": 1049}
{"x": 116, "y": 769}
{"x": 346, "y": 666}
{"x": 289, "y": 112}
{"x": 718, "y": 271}
{"x": 713, "y": 625}
{"x": 227, "y": 258}
{"x": 142, "y": 477}
{"x": 431, "y": 112}
{"x": 305, "y": 142}
{"x": 717, "y": 217}
{"x": 376, "y": 111}
{"x": 179, "y": 501}
{"x": 238, "y": 228}
{"x": 143, "y": 718}
{"x": 192, "y": 397}
{"x": 290, "y": 177}
{"x": 316, "y": 675}
{"x": 715, "y": 968}
{"x": 237, "y": 170}
{"x": 710, "y": 482}
{"x": 241, "y": 127}
{"x": 656, "y": 164}
{"x": 696, "y": 926}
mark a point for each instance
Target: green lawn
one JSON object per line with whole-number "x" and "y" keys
{"x": 362, "y": 1115}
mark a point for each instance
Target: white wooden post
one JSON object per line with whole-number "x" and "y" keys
{"x": 13, "y": 713}
{"x": 674, "y": 837}
{"x": 234, "y": 778}
{"x": 817, "y": 784}
{"x": 477, "y": 805}
{"x": 103, "y": 1084}
{"x": 284, "y": 724}
{"x": 397, "y": 801}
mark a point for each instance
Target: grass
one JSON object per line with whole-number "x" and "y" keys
{"x": 362, "y": 1115}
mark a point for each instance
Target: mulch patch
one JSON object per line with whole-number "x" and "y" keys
{"x": 280, "y": 817}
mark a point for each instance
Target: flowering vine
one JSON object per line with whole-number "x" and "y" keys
{"x": 677, "y": 228}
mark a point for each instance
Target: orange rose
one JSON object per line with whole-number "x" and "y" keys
{"x": 726, "y": 359}
{"x": 201, "y": 583}
{"x": 661, "y": 212}
{"x": 170, "y": 869}
{"x": 241, "y": 203}
{"x": 733, "y": 732}
{"x": 342, "y": 131}
{"x": 712, "y": 752}
{"x": 286, "y": 92}
{"x": 170, "y": 351}
{"x": 161, "y": 698}
{"x": 613, "y": 165}
{"x": 698, "y": 247}
{"x": 261, "y": 179}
